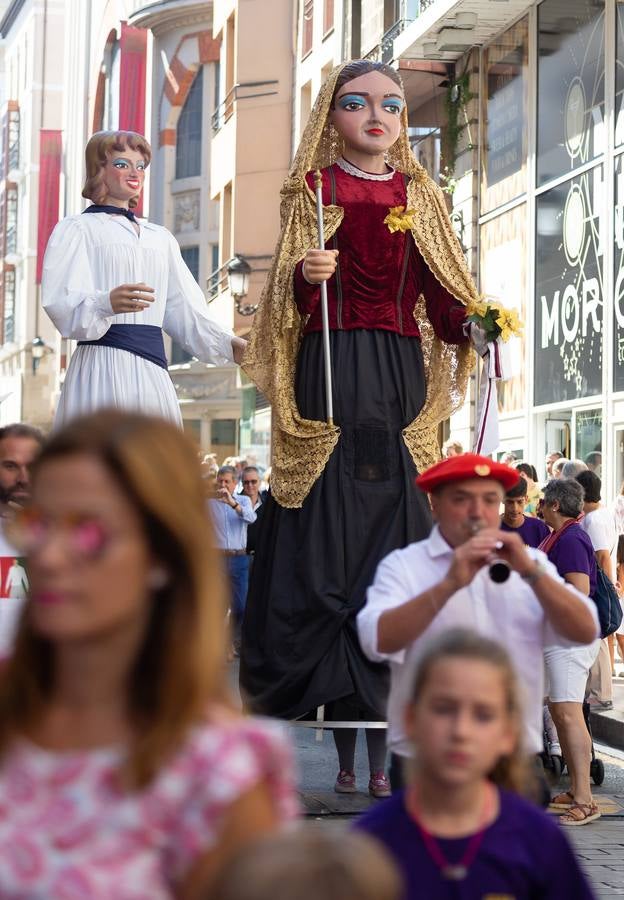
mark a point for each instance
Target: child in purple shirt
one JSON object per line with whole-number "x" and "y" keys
{"x": 531, "y": 530}
{"x": 460, "y": 830}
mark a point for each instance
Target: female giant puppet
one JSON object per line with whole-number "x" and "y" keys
{"x": 343, "y": 497}
{"x": 114, "y": 283}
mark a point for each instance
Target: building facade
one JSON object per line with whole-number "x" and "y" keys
{"x": 31, "y": 117}
{"x": 534, "y": 92}
{"x": 251, "y": 151}
{"x": 69, "y": 68}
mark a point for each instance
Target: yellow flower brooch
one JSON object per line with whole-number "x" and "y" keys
{"x": 400, "y": 219}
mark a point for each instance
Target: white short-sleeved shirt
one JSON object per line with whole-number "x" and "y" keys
{"x": 601, "y": 527}
{"x": 510, "y": 613}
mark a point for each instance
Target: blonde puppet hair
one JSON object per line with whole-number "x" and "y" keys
{"x": 97, "y": 153}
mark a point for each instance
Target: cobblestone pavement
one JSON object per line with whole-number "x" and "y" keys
{"x": 600, "y": 848}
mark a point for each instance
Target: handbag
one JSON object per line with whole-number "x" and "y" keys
{"x": 607, "y": 604}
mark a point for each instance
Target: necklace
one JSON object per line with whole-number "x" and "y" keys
{"x": 459, "y": 870}
{"x": 350, "y": 169}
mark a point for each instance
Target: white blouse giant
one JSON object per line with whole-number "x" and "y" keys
{"x": 86, "y": 257}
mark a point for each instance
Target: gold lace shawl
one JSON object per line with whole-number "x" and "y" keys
{"x": 301, "y": 447}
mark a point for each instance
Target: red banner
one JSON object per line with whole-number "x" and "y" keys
{"x": 133, "y": 46}
{"x": 50, "y": 152}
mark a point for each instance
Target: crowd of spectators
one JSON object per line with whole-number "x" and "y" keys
{"x": 137, "y": 774}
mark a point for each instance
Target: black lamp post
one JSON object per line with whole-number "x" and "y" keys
{"x": 239, "y": 270}
{"x": 38, "y": 348}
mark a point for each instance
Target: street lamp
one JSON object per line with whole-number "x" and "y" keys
{"x": 38, "y": 348}
{"x": 239, "y": 270}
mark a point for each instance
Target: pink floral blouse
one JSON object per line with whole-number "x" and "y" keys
{"x": 68, "y": 833}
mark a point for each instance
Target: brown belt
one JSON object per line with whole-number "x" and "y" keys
{"x": 234, "y": 552}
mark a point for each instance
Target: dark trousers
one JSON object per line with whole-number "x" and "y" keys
{"x": 397, "y": 771}
{"x": 238, "y": 574}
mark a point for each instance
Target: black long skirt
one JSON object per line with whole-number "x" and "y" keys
{"x": 312, "y": 566}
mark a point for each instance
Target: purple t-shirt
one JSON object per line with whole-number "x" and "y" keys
{"x": 524, "y": 855}
{"x": 532, "y": 531}
{"x": 574, "y": 552}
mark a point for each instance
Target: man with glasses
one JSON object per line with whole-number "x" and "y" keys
{"x": 251, "y": 488}
{"x": 19, "y": 445}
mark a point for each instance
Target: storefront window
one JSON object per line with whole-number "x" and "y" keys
{"x": 505, "y": 101}
{"x": 618, "y": 277}
{"x": 570, "y": 116}
{"x": 619, "y": 75}
{"x": 503, "y": 247}
{"x": 588, "y": 446}
{"x": 569, "y": 290}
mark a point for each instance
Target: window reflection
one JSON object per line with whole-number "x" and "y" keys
{"x": 570, "y": 129}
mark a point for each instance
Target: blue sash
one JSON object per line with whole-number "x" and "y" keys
{"x": 142, "y": 340}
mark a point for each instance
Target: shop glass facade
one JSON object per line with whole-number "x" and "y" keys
{"x": 551, "y": 228}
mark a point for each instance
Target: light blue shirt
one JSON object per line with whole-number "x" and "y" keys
{"x": 231, "y": 526}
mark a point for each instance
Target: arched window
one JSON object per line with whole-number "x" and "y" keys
{"x": 189, "y": 132}
{"x": 106, "y": 108}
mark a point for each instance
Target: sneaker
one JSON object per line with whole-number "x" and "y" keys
{"x": 379, "y": 786}
{"x": 345, "y": 783}
{"x": 600, "y": 704}
{"x": 554, "y": 749}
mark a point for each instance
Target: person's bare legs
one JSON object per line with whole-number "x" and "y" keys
{"x": 576, "y": 746}
{"x": 620, "y": 642}
{"x": 611, "y": 645}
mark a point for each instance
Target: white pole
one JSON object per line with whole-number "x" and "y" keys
{"x": 318, "y": 185}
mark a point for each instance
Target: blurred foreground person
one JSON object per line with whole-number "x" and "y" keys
{"x": 19, "y": 446}
{"x": 307, "y": 864}
{"x": 459, "y": 829}
{"x": 135, "y": 776}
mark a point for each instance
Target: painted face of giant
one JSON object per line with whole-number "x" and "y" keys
{"x": 124, "y": 174}
{"x": 367, "y": 113}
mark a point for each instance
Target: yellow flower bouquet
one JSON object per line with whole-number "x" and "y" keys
{"x": 495, "y": 320}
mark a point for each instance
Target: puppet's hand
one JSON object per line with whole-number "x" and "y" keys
{"x": 131, "y": 298}
{"x": 319, "y": 265}
{"x": 478, "y": 338}
{"x": 239, "y": 345}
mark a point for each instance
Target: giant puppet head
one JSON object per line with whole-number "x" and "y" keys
{"x": 115, "y": 167}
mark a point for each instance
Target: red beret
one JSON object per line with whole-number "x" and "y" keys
{"x": 465, "y": 466}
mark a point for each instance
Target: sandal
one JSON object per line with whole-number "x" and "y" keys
{"x": 580, "y": 814}
{"x": 562, "y": 801}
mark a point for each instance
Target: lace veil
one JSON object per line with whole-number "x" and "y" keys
{"x": 301, "y": 447}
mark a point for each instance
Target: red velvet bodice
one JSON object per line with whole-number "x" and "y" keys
{"x": 381, "y": 274}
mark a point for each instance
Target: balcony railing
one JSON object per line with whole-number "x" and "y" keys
{"x": 8, "y": 323}
{"x": 11, "y": 218}
{"x": 13, "y": 137}
{"x": 225, "y": 109}
{"x": 384, "y": 50}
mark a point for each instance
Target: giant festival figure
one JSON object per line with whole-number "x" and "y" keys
{"x": 343, "y": 494}
{"x": 113, "y": 283}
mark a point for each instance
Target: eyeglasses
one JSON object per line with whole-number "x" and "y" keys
{"x": 85, "y": 535}
{"x": 245, "y": 483}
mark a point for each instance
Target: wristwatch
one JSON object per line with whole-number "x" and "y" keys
{"x": 540, "y": 568}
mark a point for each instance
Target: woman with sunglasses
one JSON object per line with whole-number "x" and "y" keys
{"x": 124, "y": 769}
